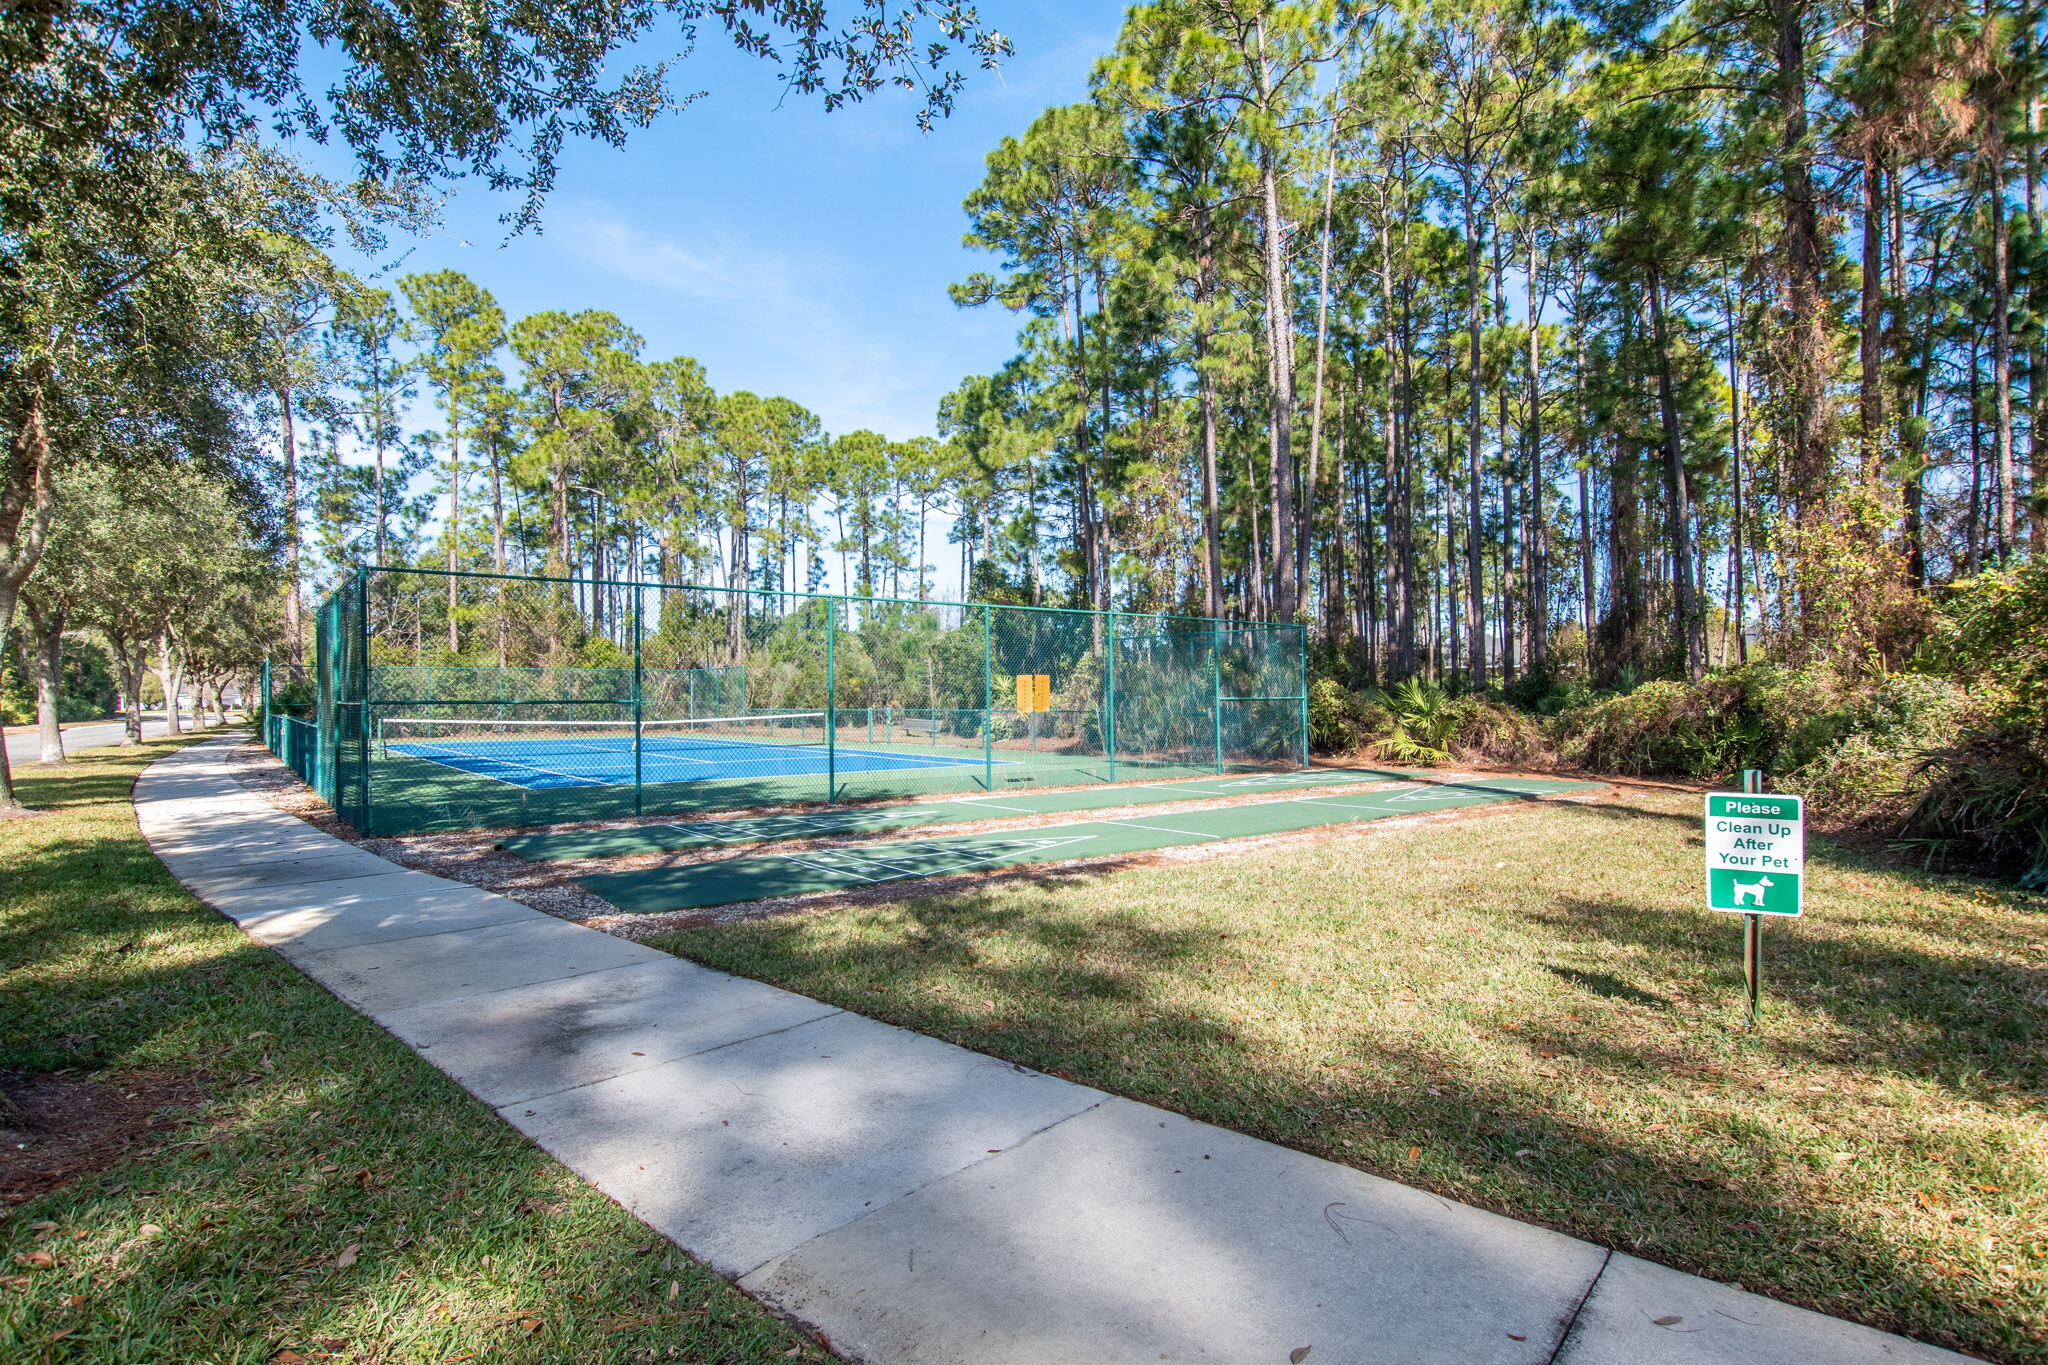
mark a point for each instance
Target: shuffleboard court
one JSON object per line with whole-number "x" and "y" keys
{"x": 668, "y": 838}
{"x": 763, "y": 877}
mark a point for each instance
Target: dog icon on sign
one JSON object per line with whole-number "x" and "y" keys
{"x": 1753, "y": 892}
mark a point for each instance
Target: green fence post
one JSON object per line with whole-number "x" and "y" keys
{"x": 988, "y": 705}
{"x": 639, "y": 710}
{"x": 1109, "y": 690}
{"x": 263, "y": 722}
{"x": 1302, "y": 635}
{"x": 1216, "y": 691}
{"x": 1753, "y": 927}
{"x": 362, "y": 697}
{"x": 831, "y": 703}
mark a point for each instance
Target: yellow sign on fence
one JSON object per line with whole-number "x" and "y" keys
{"x": 1034, "y": 692}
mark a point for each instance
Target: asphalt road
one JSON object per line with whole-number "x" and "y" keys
{"x": 28, "y": 748}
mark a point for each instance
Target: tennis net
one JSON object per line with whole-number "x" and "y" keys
{"x": 424, "y": 736}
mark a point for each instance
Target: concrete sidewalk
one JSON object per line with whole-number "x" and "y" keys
{"x": 911, "y": 1200}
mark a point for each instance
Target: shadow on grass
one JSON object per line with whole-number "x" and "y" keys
{"x": 1956, "y": 1009}
{"x": 88, "y": 910}
{"x": 336, "y": 1196}
{"x": 1606, "y": 986}
{"x": 1544, "y": 1124}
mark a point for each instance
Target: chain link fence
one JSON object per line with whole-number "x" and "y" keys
{"x": 473, "y": 701}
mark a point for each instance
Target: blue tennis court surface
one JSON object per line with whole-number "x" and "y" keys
{"x": 544, "y": 764}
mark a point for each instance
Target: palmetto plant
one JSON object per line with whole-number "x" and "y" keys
{"x": 1424, "y": 720}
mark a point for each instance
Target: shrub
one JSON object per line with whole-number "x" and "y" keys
{"x": 1985, "y": 803}
{"x": 1787, "y": 717}
{"x": 1993, "y": 630}
{"x": 294, "y": 697}
{"x": 1498, "y": 734}
{"x": 1422, "y": 721}
{"x": 1859, "y": 781}
{"x": 1911, "y": 711}
{"x": 1659, "y": 729}
{"x": 1335, "y": 725}
{"x": 1781, "y": 720}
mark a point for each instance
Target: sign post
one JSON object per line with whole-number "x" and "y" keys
{"x": 1756, "y": 866}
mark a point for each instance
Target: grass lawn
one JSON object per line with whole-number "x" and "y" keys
{"x": 1531, "y": 1012}
{"x": 322, "y": 1193}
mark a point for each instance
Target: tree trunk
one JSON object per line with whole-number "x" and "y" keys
{"x": 1074, "y": 301}
{"x": 1539, "y": 482}
{"x": 46, "y": 629}
{"x": 1256, "y": 575}
{"x": 454, "y": 524}
{"x": 2037, "y": 450}
{"x": 2007, "y": 522}
{"x": 1806, "y": 370}
{"x": 1913, "y": 400}
{"x": 1737, "y": 606}
{"x": 26, "y": 506}
{"x": 1588, "y": 584}
{"x": 497, "y": 508}
{"x": 1306, "y": 514}
{"x": 1280, "y": 358}
{"x": 1691, "y": 621}
{"x": 1871, "y": 328}
{"x": 1974, "y": 556}
{"x": 1475, "y": 583}
{"x": 1398, "y": 626}
{"x": 1622, "y": 627}
{"x": 1507, "y": 583}
{"x": 377, "y": 492}
{"x": 736, "y": 576}
{"x": 130, "y": 662}
{"x": 1212, "y": 511}
{"x": 170, "y": 675}
{"x": 923, "y": 507}
{"x": 294, "y": 625}
{"x": 1588, "y": 588}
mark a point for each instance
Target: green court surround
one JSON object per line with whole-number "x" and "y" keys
{"x": 766, "y": 876}
{"x": 870, "y": 819}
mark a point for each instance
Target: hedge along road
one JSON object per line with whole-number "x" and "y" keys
{"x": 669, "y": 838}
{"x": 653, "y": 890}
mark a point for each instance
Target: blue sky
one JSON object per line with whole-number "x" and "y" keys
{"x": 791, "y": 251}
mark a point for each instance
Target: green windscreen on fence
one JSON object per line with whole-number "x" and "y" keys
{"x": 468, "y": 701}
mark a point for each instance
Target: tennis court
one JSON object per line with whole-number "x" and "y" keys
{"x": 448, "y": 701}
{"x": 541, "y": 755}
{"x": 731, "y": 880}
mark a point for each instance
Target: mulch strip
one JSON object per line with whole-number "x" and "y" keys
{"x": 81, "y": 1122}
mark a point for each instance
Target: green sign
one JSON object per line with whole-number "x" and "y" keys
{"x": 1756, "y": 853}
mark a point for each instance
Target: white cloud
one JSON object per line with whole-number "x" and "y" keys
{"x": 760, "y": 319}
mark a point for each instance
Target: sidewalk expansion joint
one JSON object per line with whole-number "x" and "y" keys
{"x": 1571, "y": 1324}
